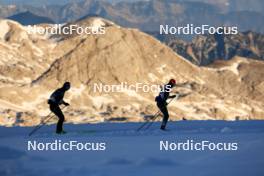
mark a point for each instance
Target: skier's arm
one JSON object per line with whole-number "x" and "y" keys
{"x": 176, "y": 95}
{"x": 65, "y": 103}
{"x": 172, "y": 96}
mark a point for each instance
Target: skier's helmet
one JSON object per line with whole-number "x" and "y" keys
{"x": 67, "y": 85}
{"x": 172, "y": 82}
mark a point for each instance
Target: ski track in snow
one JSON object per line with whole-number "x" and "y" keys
{"x": 133, "y": 153}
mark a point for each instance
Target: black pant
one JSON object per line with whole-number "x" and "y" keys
{"x": 163, "y": 108}
{"x": 57, "y": 111}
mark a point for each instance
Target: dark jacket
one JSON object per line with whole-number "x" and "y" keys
{"x": 57, "y": 97}
{"x": 164, "y": 94}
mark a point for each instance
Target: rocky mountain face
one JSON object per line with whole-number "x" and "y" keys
{"x": 206, "y": 49}
{"x": 22, "y": 55}
{"x": 32, "y": 66}
{"x": 148, "y": 15}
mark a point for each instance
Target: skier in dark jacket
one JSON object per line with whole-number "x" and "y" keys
{"x": 161, "y": 101}
{"x": 55, "y": 100}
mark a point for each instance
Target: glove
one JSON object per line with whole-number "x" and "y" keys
{"x": 66, "y": 104}
{"x": 173, "y": 96}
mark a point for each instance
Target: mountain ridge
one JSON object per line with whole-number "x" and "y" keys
{"x": 227, "y": 92}
{"x": 206, "y": 49}
{"x": 28, "y": 18}
{"x": 148, "y": 15}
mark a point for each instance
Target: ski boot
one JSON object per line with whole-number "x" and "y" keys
{"x": 163, "y": 127}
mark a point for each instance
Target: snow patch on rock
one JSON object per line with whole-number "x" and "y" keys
{"x": 97, "y": 23}
{"x": 233, "y": 68}
{"x": 98, "y": 101}
{"x": 4, "y": 28}
{"x": 76, "y": 91}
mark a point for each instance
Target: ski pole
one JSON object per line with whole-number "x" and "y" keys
{"x": 40, "y": 125}
{"x": 48, "y": 117}
{"x": 145, "y": 123}
{"x": 149, "y": 122}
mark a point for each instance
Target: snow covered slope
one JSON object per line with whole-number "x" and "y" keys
{"x": 133, "y": 153}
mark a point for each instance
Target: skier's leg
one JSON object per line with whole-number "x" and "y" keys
{"x": 57, "y": 111}
{"x": 60, "y": 122}
{"x": 165, "y": 113}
